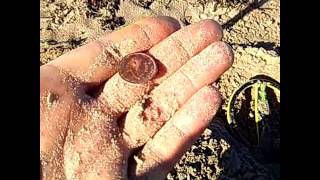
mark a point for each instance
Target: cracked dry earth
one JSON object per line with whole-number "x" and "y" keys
{"x": 251, "y": 27}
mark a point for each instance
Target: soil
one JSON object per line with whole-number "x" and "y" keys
{"x": 251, "y": 27}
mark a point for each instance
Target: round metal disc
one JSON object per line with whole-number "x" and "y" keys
{"x": 137, "y": 68}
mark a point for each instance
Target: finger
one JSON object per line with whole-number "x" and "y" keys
{"x": 171, "y": 54}
{"x": 178, "y": 48}
{"x": 161, "y": 153}
{"x": 169, "y": 96}
{"x": 96, "y": 61}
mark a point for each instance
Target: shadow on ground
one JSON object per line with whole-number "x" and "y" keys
{"x": 252, "y": 6}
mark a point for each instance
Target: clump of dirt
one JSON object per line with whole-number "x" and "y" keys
{"x": 143, "y": 3}
{"x": 250, "y": 26}
{"x": 105, "y": 12}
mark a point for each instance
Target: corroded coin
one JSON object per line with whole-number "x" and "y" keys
{"x": 137, "y": 68}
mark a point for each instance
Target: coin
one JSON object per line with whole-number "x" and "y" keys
{"x": 137, "y": 68}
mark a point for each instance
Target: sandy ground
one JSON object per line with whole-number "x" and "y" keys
{"x": 250, "y": 26}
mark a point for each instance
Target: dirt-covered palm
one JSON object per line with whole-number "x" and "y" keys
{"x": 95, "y": 125}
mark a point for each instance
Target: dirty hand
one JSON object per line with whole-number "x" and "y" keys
{"x": 96, "y": 125}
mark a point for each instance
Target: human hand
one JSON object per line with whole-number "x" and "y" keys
{"x": 95, "y": 125}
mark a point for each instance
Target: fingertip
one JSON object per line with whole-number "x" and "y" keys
{"x": 164, "y": 21}
{"x": 212, "y": 28}
{"x": 211, "y": 93}
{"x": 172, "y": 22}
{"x": 210, "y": 99}
{"x": 225, "y": 50}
